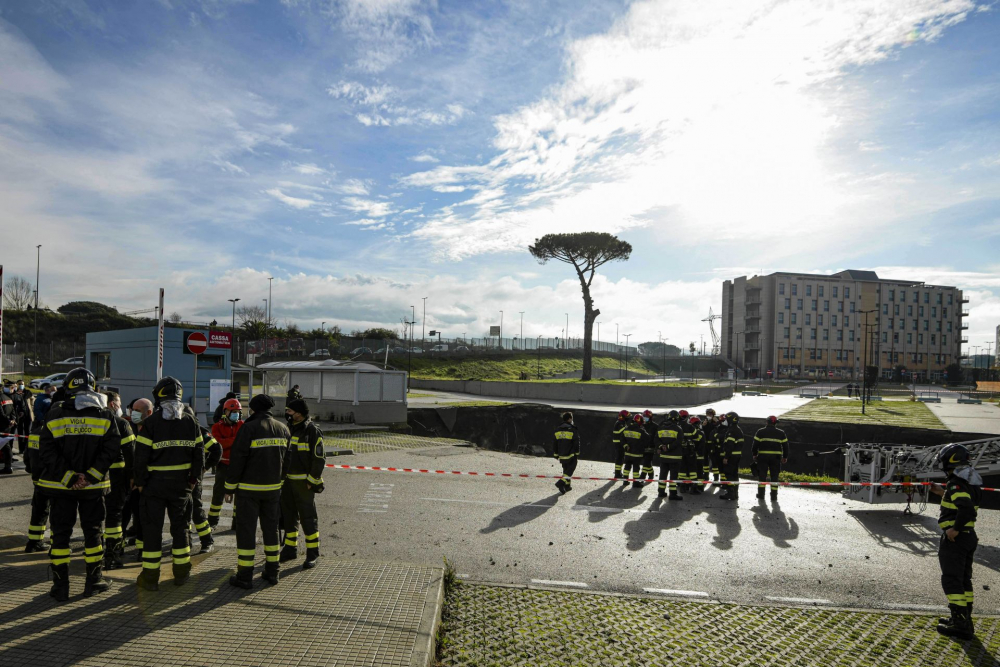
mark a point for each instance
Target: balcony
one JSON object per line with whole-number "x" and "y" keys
{"x": 965, "y": 339}
{"x": 752, "y": 329}
{"x": 752, "y": 345}
{"x": 964, "y": 313}
{"x": 964, "y": 327}
{"x": 753, "y": 301}
{"x": 964, "y": 300}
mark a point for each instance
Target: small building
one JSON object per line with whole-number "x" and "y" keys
{"x": 125, "y": 361}
{"x": 338, "y": 391}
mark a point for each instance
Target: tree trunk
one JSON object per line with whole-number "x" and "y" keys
{"x": 590, "y": 315}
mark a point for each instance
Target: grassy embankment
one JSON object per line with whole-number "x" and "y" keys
{"x": 508, "y": 368}
{"x": 884, "y": 413}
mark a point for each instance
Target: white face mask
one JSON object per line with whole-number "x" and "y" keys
{"x": 136, "y": 417}
{"x": 118, "y": 411}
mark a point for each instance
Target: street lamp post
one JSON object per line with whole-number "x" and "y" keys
{"x": 267, "y": 322}
{"x": 736, "y": 386}
{"x": 423, "y": 326}
{"x": 538, "y": 346}
{"x": 233, "y": 301}
{"x": 522, "y": 329}
{"x": 38, "y": 264}
{"x": 626, "y": 355}
{"x": 619, "y": 351}
{"x": 500, "y": 337}
{"x": 566, "y": 337}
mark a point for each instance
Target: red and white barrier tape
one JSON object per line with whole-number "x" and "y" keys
{"x": 622, "y": 479}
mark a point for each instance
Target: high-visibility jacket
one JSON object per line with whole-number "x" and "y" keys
{"x": 225, "y": 433}
{"x": 733, "y": 446}
{"x": 717, "y": 441}
{"x": 256, "y": 460}
{"x": 670, "y": 440}
{"x": 305, "y": 457}
{"x": 79, "y": 436}
{"x": 636, "y": 440}
{"x": 770, "y": 440}
{"x": 126, "y": 454}
{"x": 169, "y": 453}
{"x": 566, "y": 442}
{"x": 959, "y": 505}
{"x": 213, "y": 449}
{"x": 692, "y": 438}
{"x": 616, "y": 430}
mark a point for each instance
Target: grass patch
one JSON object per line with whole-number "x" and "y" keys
{"x": 784, "y": 476}
{"x": 508, "y": 368}
{"x": 887, "y": 413}
{"x": 472, "y": 404}
{"x": 417, "y": 394}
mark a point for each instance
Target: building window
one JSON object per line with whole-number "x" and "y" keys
{"x": 885, "y": 337}
{"x": 920, "y": 312}
{"x": 916, "y": 297}
{"x": 949, "y": 299}
{"x": 892, "y": 295}
{"x": 840, "y": 334}
{"x": 808, "y": 318}
{"x": 927, "y": 325}
{"x": 814, "y": 304}
{"x": 850, "y": 336}
{"x": 798, "y": 303}
{"x": 788, "y": 303}
{"x": 812, "y": 354}
{"x": 895, "y": 338}
{"x": 820, "y": 290}
{"x": 826, "y": 306}
{"x": 944, "y": 313}
{"x": 890, "y": 322}
{"x": 933, "y": 339}
{"x": 902, "y": 295}
{"x": 944, "y": 340}
{"x": 812, "y": 334}
{"x": 809, "y": 290}
{"x": 895, "y": 310}
{"x": 819, "y": 320}
{"x": 909, "y": 311}
{"x": 795, "y": 318}
{"x": 934, "y": 311}
{"x": 795, "y": 289}
{"x": 826, "y": 334}
{"x": 781, "y": 318}
{"x": 927, "y": 297}
{"x": 920, "y": 339}
{"x": 102, "y": 366}
{"x": 939, "y": 298}
{"x": 781, "y": 288}
{"x": 939, "y": 326}
{"x": 793, "y": 353}
{"x": 885, "y": 309}
{"x": 213, "y": 361}
{"x": 798, "y": 334}
{"x": 834, "y": 292}
{"x": 847, "y": 321}
{"x": 833, "y": 320}
{"x": 847, "y": 292}
{"x": 949, "y": 327}
{"x": 787, "y": 332}
{"x": 915, "y": 327}
{"x": 909, "y": 339}
{"x": 852, "y": 306}
{"x": 840, "y": 306}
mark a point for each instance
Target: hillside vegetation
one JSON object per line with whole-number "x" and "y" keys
{"x": 507, "y": 368}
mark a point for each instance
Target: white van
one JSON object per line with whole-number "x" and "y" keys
{"x": 439, "y": 348}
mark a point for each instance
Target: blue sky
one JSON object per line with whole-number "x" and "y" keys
{"x": 367, "y": 153}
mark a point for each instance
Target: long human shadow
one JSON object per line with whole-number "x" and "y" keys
{"x": 660, "y": 517}
{"x": 726, "y": 520}
{"x": 916, "y": 534}
{"x": 771, "y": 522}
{"x": 520, "y": 514}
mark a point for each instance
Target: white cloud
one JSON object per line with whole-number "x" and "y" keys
{"x": 370, "y": 207}
{"x": 294, "y": 202}
{"x": 689, "y": 115}
{"x": 309, "y": 169}
{"x": 353, "y": 186}
{"x": 424, "y": 157}
{"x": 449, "y": 188}
{"x": 385, "y": 107}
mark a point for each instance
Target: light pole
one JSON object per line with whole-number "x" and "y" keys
{"x": 409, "y": 348}
{"x": 566, "y": 337}
{"x": 522, "y": 329}
{"x": 322, "y": 326}
{"x": 423, "y": 325}
{"x": 500, "y": 337}
{"x": 626, "y": 355}
{"x": 270, "y": 301}
{"x": 233, "y": 301}
{"x": 538, "y": 347}
{"x": 266, "y": 322}
{"x": 618, "y": 349}
{"x": 38, "y": 264}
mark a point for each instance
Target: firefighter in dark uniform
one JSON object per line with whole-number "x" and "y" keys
{"x": 8, "y": 424}
{"x": 959, "y": 507}
{"x": 647, "y": 454}
{"x": 716, "y": 448}
{"x": 169, "y": 460}
{"x": 120, "y": 476}
{"x": 293, "y": 395}
{"x": 256, "y": 471}
{"x": 732, "y": 449}
{"x": 566, "y": 449}
{"x": 305, "y": 460}
{"x": 669, "y": 441}
{"x": 76, "y": 447}
{"x": 700, "y": 455}
{"x": 199, "y": 517}
{"x": 636, "y": 441}
{"x": 33, "y": 466}
{"x": 708, "y": 426}
{"x": 769, "y": 451}
{"x": 616, "y": 440}
{"x": 687, "y": 451}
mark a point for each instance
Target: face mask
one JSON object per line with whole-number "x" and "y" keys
{"x": 21, "y": 387}
{"x": 118, "y": 412}
{"x": 288, "y": 418}
{"x": 234, "y": 416}
{"x": 136, "y": 417}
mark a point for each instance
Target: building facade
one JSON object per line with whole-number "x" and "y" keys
{"x": 820, "y": 326}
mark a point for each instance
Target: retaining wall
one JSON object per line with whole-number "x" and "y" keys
{"x": 625, "y": 395}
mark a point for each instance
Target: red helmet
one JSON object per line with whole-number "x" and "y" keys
{"x": 772, "y": 420}
{"x": 232, "y": 404}
{"x": 694, "y": 421}
{"x": 648, "y": 414}
{"x": 637, "y": 419}
{"x": 683, "y": 414}
{"x": 624, "y": 414}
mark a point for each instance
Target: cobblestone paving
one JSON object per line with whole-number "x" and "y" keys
{"x": 497, "y": 626}
{"x": 370, "y": 442}
{"x": 340, "y": 613}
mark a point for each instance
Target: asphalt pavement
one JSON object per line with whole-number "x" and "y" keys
{"x": 811, "y": 548}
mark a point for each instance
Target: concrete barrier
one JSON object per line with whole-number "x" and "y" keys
{"x": 624, "y": 395}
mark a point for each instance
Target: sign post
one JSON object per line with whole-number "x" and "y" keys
{"x": 195, "y": 342}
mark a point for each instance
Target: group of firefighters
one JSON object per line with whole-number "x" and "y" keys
{"x": 90, "y": 459}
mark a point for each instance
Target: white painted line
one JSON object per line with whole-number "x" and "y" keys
{"x": 568, "y": 584}
{"x": 917, "y": 607}
{"x": 594, "y": 508}
{"x": 463, "y": 576}
{"x": 667, "y": 591}
{"x": 798, "y": 600}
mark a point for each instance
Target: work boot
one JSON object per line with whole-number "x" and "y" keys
{"x": 675, "y": 496}
{"x": 270, "y": 573}
{"x": 113, "y": 547}
{"x": 35, "y": 546}
{"x": 242, "y": 579}
{"x": 207, "y": 545}
{"x": 213, "y": 521}
{"x": 148, "y": 579}
{"x": 96, "y": 583}
{"x": 182, "y": 573}
{"x": 661, "y": 494}
{"x": 60, "y": 582}
{"x": 959, "y": 625}
{"x": 312, "y": 555}
{"x": 561, "y": 485}
{"x": 774, "y": 495}
{"x": 289, "y": 553}
{"x": 760, "y": 493}
{"x": 625, "y": 483}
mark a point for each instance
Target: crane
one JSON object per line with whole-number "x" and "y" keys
{"x": 140, "y": 312}
{"x": 716, "y": 344}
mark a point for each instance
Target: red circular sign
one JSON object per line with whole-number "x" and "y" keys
{"x": 197, "y": 343}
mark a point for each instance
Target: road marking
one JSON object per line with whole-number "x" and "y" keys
{"x": 463, "y": 576}
{"x": 376, "y": 499}
{"x": 917, "y": 607}
{"x": 667, "y": 591}
{"x": 568, "y": 584}
{"x": 798, "y": 600}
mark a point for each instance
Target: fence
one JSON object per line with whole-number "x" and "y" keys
{"x": 13, "y": 361}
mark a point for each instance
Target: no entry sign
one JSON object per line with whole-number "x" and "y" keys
{"x": 195, "y": 342}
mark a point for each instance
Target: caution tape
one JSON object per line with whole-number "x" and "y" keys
{"x": 630, "y": 480}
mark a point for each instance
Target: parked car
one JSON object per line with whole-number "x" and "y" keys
{"x": 72, "y": 361}
{"x": 442, "y": 347}
{"x": 320, "y": 353}
{"x": 461, "y": 349}
{"x": 416, "y": 350}
{"x": 55, "y": 379}
{"x": 360, "y": 350}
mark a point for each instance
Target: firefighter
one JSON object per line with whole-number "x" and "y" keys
{"x": 566, "y": 448}
{"x": 669, "y": 440}
{"x": 224, "y": 431}
{"x": 647, "y": 454}
{"x": 80, "y": 434}
{"x": 169, "y": 459}
{"x": 636, "y": 439}
{"x": 732, "y": 451}
{"x": 120, "y": 476}
{"x": 22, "y": 410}
{"x": 687, "y": 451}
{"x": 256, "y": 470}
{"x": 293, "y": 395}
{"x": 959, "y": 506}
{"x": 138, "y": 411}
{"x": 8, "y": 423}
{"x": 213, "y": 453}
{"x": 708, "y": 427}
{"x": 716, "y": 446}
{"x": 616, "y": 440}
{"x": 770, "y": 452}
{"x": 305, "y": 460}
{"x": 220, "y": 409}
{"x": 700, "y": 464}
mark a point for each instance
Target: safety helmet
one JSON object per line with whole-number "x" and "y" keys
{"x": 710, "y": 412}
{"x": 637, "y": 419}
{"x": 624, "y": 414}
{"x": 673, "y": 415}
{"x": 169, "y": 388}
{"x": 683, "y": 414}
{"x": 694, "y": 421}
{"x": 772, "y": 420}
{"x": 232, "y": 404}
{"x": 953, "y": 456}
{"x": 648, "y": 414}
{"x": 77, "y": 380}
{"x": 732, "y": 417}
